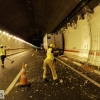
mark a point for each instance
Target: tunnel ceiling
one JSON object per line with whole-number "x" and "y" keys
{"x": 31, "y": 19}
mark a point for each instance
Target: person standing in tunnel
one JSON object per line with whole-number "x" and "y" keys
{"x": 2, "y": 55}
{"x": 49, "y": 61}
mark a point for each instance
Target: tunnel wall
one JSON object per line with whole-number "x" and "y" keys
{"x": 83, "y": 41}
{"x": 77, "y": 40}
{"x": 12, "y": 44}
{"x": 94, "y": 54}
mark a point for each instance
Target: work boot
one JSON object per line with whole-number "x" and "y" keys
{"x": 2, "y": 65}
{"x": 45, "y": 80}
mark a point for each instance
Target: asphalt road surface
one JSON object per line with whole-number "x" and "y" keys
{"x": 73, "y": 86}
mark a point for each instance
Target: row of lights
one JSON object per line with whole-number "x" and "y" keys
{"x": 7, "y": 34}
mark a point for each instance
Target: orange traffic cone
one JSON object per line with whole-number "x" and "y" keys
{"x": 23, "y": 79}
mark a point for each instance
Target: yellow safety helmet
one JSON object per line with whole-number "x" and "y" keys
{"x": 52, "y": 45}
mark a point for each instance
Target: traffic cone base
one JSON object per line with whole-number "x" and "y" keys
{"x": 23, "y": 85}
{"x": 23, "y": 81}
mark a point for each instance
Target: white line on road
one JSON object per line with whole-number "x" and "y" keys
{"x": 13, "y": 83}
{"x": 91, "y": 80}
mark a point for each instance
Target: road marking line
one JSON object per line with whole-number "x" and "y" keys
{"x": 86, "y": 77}
{"x": 13, "y": 83}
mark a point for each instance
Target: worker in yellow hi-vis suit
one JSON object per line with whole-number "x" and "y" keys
{"x": 51, "y": 63}
{"x": 2, "y": 55}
